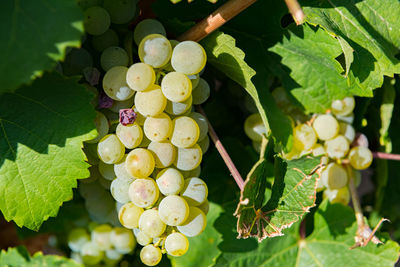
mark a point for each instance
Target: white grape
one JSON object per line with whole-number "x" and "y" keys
{"x": 122, "y": 240}
{"x": 147, "y": 27}
{"x": 334, "y": 176}
{"x": 158, "y": 128}
{"x": 188, "y": 57}
{"x": 151, "y": 223}
{"x": 121, "y": 11}
{"x": 106, "y": 170}
{"x": 185, "y": 132}
{"x": 155, "y": 50}
{"x": 129, "y": 215}
{"x": 176, "y": 86}
{"x": 113, "y": 56}
{"x": 91, "y": 253}
{"x": 205, "y": 143}
{"x": 337, "y": 147}
{"x": 101, "y": 236}
{"x": 119, "y": 189}
{"x": 130, "y": 135}
{"x": 348, "y": 118}
{"x": 201, "y": 92}
{"x": 360, "y": 157}
{"x": 326, "y": 127}
{"x": 201, "y": 122}
{"x": 140, "y": 76}
{"x": 178, "y": 108}
{"x": 188, "y": 159}
{"x": 110, "y": 149}
{"x": 142, "y": 238}
{"x": 143, "y": 192}
{"x": 343, "y": 107}
{"x": 318, "y": 150}
{"x": 195, "y": 191}
{"x": 304, "y": 137}
{"x": 341, "y": 195}
{"x": 114, "y": 84}
{"x": 96, "y": 20}
{"x": 164, "y": 153}
{"x": 77, "y": 238}
{"x": 140, "y": 163}
{"x": 176, "y": 244}
{"x": 120, "y": 170}
{"x": 170, "y": 181}
{"x": 195, "y": 223}
{"x": 150, "y": 102}
{"x": 117, "y": 105}
{"x": 254, "y": 127}
{"x": 150, "y": 255}
{"x": 112, "y": 257}
{"x": 102, "y": 127}
{"x": 173, "y": 210}
{"x": 347, "y": 131}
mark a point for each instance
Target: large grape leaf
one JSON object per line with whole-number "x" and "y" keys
{"x": 42, "y": 127}
{"x": 371, "y": 29}
{"x": 19, "y": 257}
{"x": 293, "y": 194}
{"x": 328, "y": 245}
{"x": 34, "y": 35}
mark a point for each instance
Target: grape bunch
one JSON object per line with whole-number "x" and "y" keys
{"x": 150, "y": 140}
{"x": 102, "y": 245}
{"x": 332, "y": 137}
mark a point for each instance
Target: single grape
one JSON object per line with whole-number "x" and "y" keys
{"x": 105, "y": 40}
{"x": 205, "y": 143}
{"x": 326, "y": 127}
{"x": 91, "y": 253}
{"x": 205, "y": 206}
{"x": 140, "y": 163}
{"x": 173, "y": 210}
{"x": 96, "y": 20}
{"x": 176, "y": 244}
{"x": 150, "y": 255}
{"x": 114, "y": 84}
{"x": 158, "y": 128}
{"x": 119, "y": 189}
{"x": 255, "y": 128}
{"x": 201, "y": 92}
{"x": 334, "y": 176}
{"x": 117, "y": 105}
{"x": 113, "y": 56}
{"x": 120, "y": 170}
{"x": 150, "y": 102}
{"x": 143, "y": 192}
{"x": 176, "y": 87}
{"x": 112, "y": 257}
{"x": 195, "y": 191}
{"x": 102, "y": 127}
{"x": 110, "y": 149}
{"x": 151, "y": 223}
{"x": 121, "y": 11}
{"x": 188, "y": 57}
{"x": 341, "y": 195}
{"x": 318, "y": 150}
{"x": 337, "y": 147}
{"x": 201, "y": 122}
{"x": 122, "y": 240}
{"x": 360, "y": 157}
{"x": 195, "y": 223}
{"x": 142, "y": 238}
{"x": 101, "y": 236}
{"x": 343, "y": 107}
{"x": 147, "y": 27}
{"x": 347, "y": 131}
{"x": 107, "y": 170}
{"x": 130, "y": 135}
{"x": 140, "y": 76}
{"x": 170, "y": 181}
{"x": 304, "y": 137}
{"x": 178, "y": 108}
{"x": 77, "y": 238}
{"x": 155, "y": 50}
{"x": 129, "y": 215}
{"x": 164, "y": 153}
{"x": 188, "y": 159}
{"x": 185, "y": 133}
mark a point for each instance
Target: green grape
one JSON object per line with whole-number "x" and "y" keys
{"x": 256, "y": 145}
{"x": 155, "y": 50}
{"x": 170, "y": 181}
{"x": 122, "y": 240}
{"x": 188, "y": 159}
{"x": 194, "y": 79}
{"x": 141, "y": 237}
{"x": 348, "y": 119}
{"x": 318, "y": 150}
{"x": 164, "y": 153}
{"x": 347, "y": 131}
{"x": 337, "y": 147}
{"x": 96, "y": 20}
{"x": 110, "y": 149}
{"x": 176, "y": 87}
{"x": 101, "y": 236}
{"x": 158, "y": 128}
{"x": 140, "y": 163}
{"x": 139, "y": 117}
{"x": 130, "y": 135}
{"x": 204, "y": 207}
{"x": 114, "y": 84}
{"x": 201, "y": 122}
{"x": 201, "y": 92}
{"x": 185, "y": 132}
{"x": 178, "y": 108}
{"x": 143, "y": 192}
{"x": 254, "y": 127}
{"x": 151, "y": 224}
{"x": 105, "y": 40}
{"x": 304, "y": 137}
{"x": 121, "y": 11}
{"x": 140, "y": 76}
{"x": 173, "y": 210}
{"x": 112, "y": 257}
{"x": 85, "y": 4}
{"x": 77, "y": 238}
{"x": 102, "y": 127}
{"x": 129, "y": 215}
{"x": 119, "y": 189}
{"x": 76, "y": 61}
{"x": 120, "y": 170}
{"x": 360, "y": 157}
{"x": 176, "y": 244}
{"x": 205, "y": 144}
{"x": 326, "y": 127}
{"x": 117, "y": 105}
{"x": 353, "y": 174}
{"x": 343, "y": 107}
{"x": 150, "y": 102}
{"x": 195, "y": 223}
{"x": 341, "y": 195}
{"x": 113, "y": 56}
{"x": 150, "y": 255}
{"x": 188, "y": 57}
{"x": 192, "y": 173}
{"x": 107, "y": 170}
{"x": 147, "y": 27}
{"x": 91, "y": 253}
{"x": 334, "y": 176}
{"x": 195, "y": 191}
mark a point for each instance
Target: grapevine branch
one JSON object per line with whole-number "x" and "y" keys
{"x": 389, "y": 156}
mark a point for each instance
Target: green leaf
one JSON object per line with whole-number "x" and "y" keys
{"x": 371, "y": 29}
{"x": 34, "y": 36}
{"x": 310, "y": 55}
{"x": 293, "y": 194}
{"x": 203, "y": 249}
{"x": 223, "y": 54}
{"x": 328, "y": 245}
{"x": 386, "y": 111}
{"x": 348, "y": 53}
{"x": 19, "y": 257}
{"x": 42, "y": 127}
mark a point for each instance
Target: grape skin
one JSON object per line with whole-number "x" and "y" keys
{"x": 185, "y": 132}
{"x": 188, "y": 159}
{"x": 173, "y": 210}
{"x": 110, "y": 149}
{"x": 195, "y": 223}
{"x": 360, "y": 157}
{"x": 195, "y": 191}
{"x": 129, "y": 215}
{"x": 147, "y": 27}
{"x": 155, "y": 50}
{"x": 188, "y": 57}
{"x": 176, "y": 244}
{"x": 176, "y": 87}
{"x": 170, "y": 181}
{"x": 151, "y": 224}
{"x": 143, "y": 192}
{"x": 140, "y": 163}
{"x": 140, "y": 76}
{"x": 150, "y": 102}
{"x": 150, "y": 255}
{"x": 326, "y": 127}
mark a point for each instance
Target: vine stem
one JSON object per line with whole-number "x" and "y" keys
{"x": 356, "y": 204}
{"x": 296, "y": 11}
{"x": 382, "y": 155}
{"x": 222, "y": 151}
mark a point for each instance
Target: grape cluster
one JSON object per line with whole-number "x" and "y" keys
{"x": 102, "y": 245}
{"x": 150, "y": 140}
{"x": 332, "y": 137}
